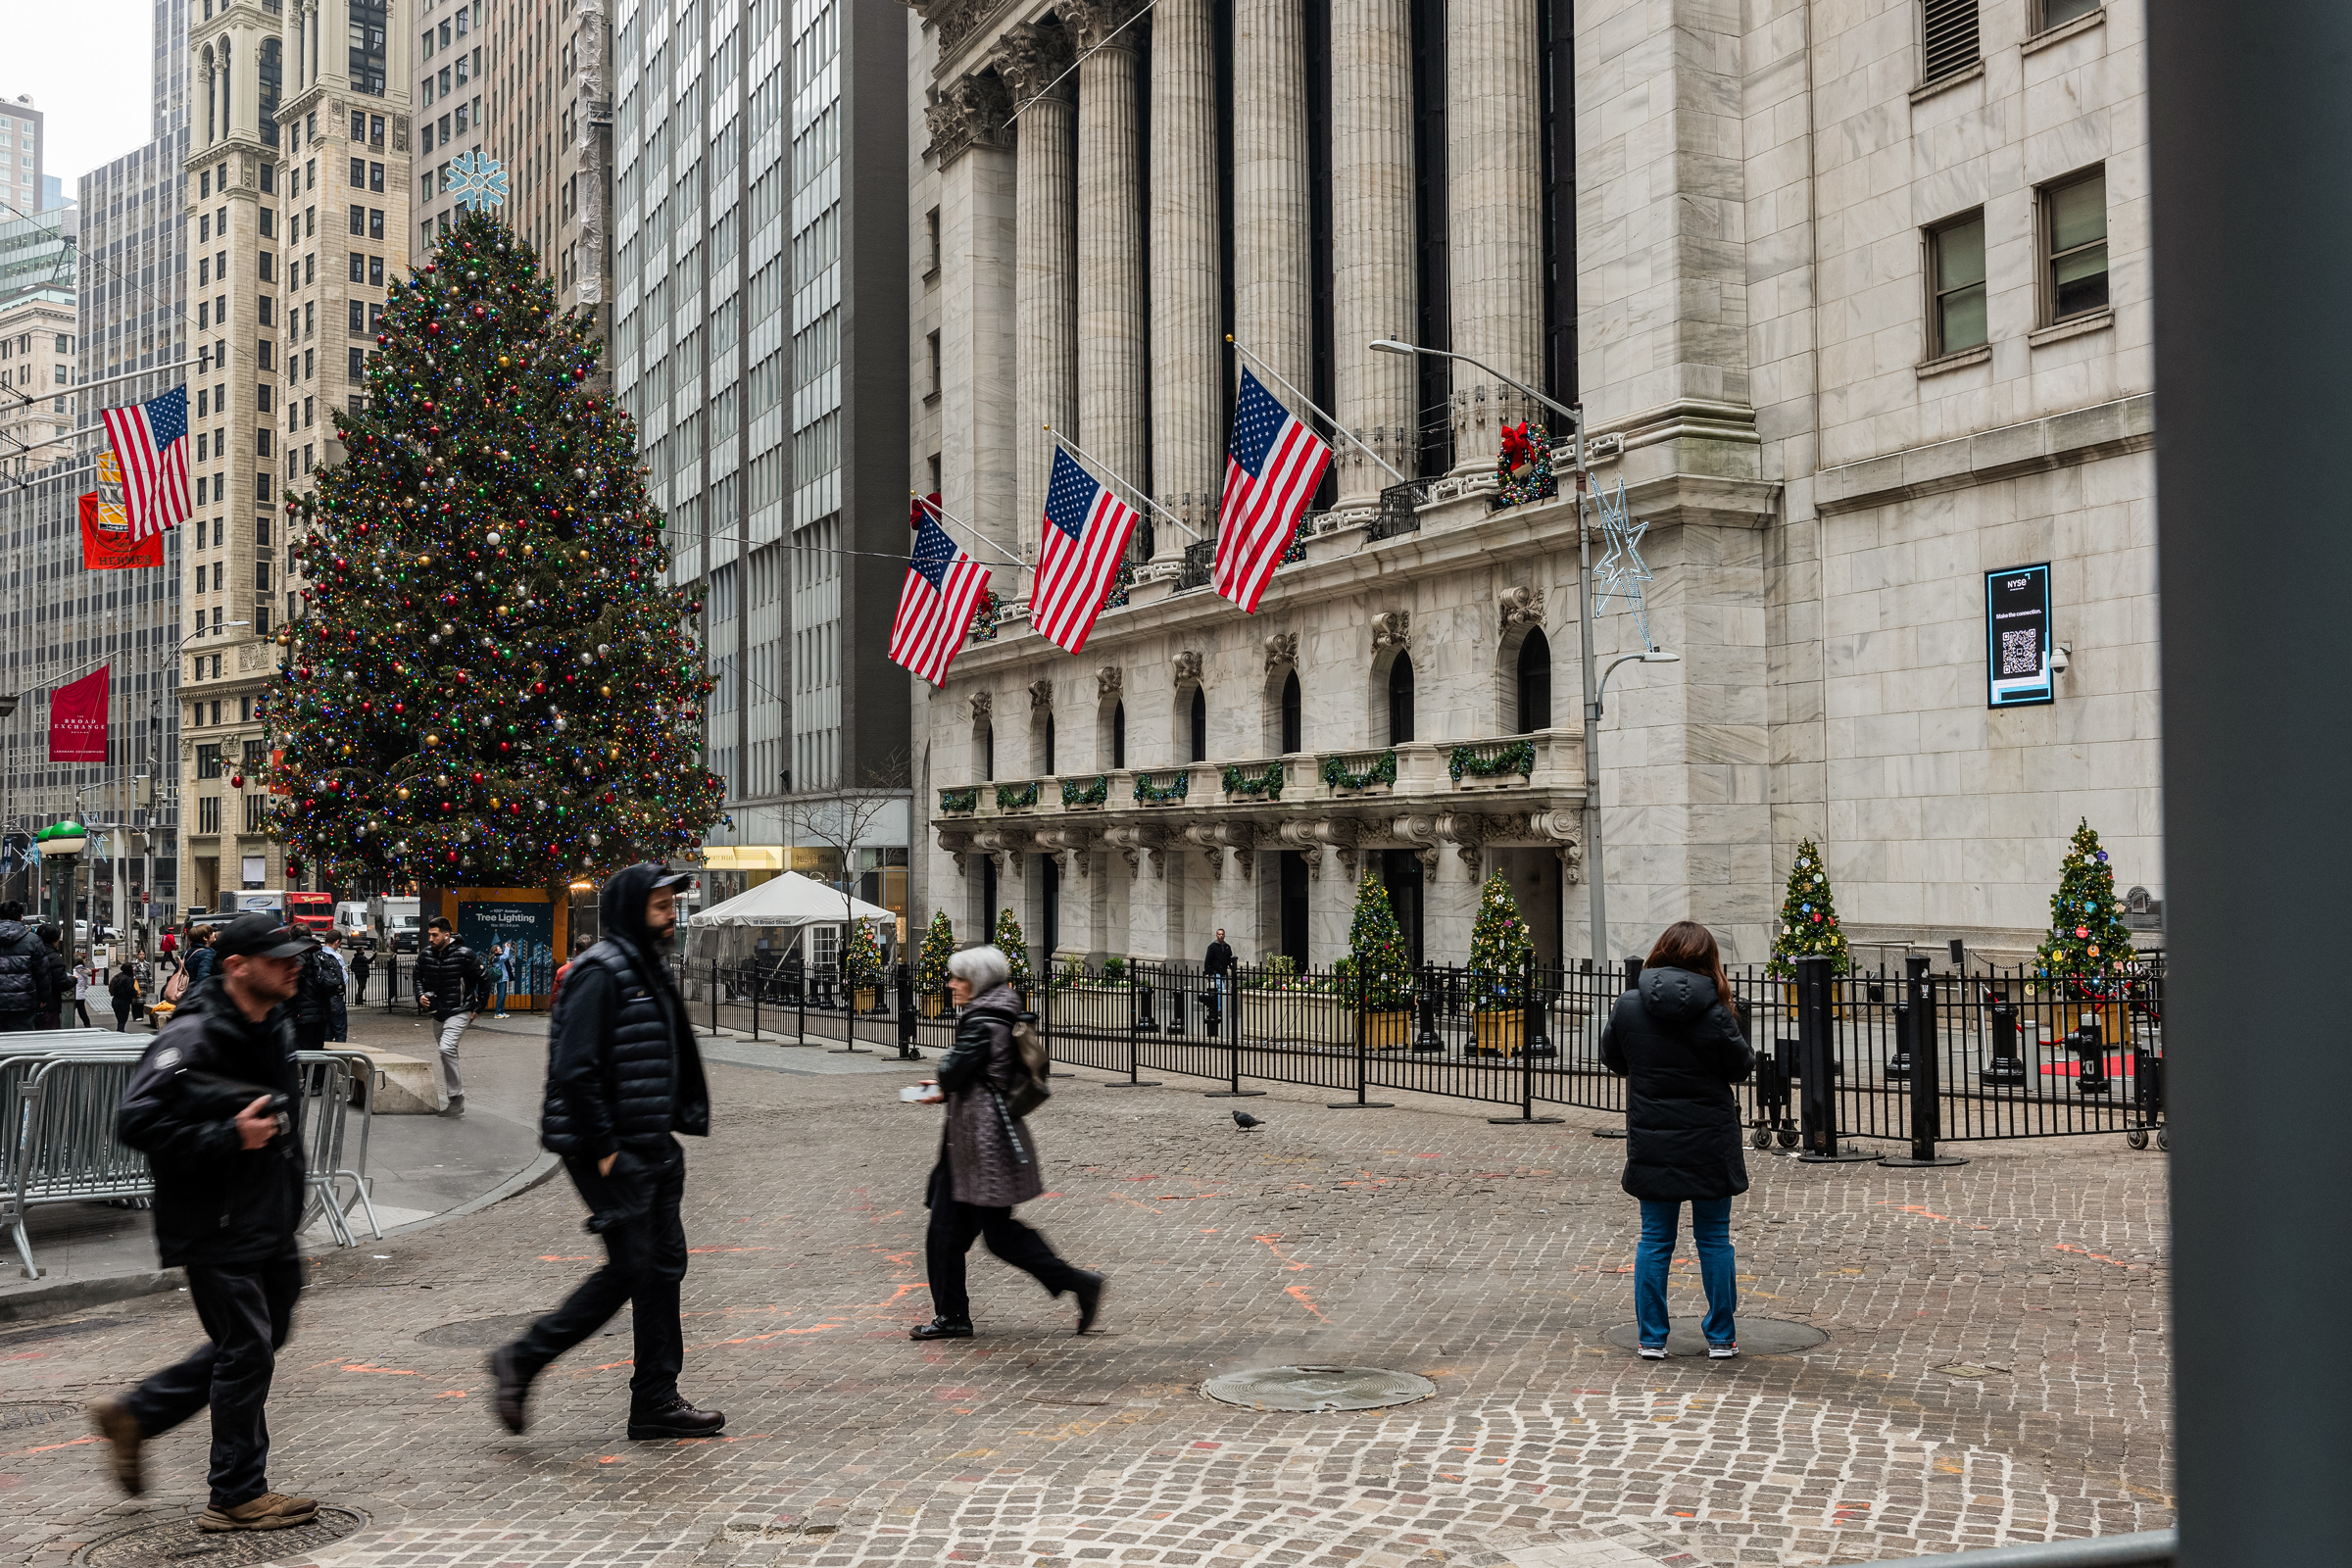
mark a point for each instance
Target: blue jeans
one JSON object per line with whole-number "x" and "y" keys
{"x": 1711, "y": 1235}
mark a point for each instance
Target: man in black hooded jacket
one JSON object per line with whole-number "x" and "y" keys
{"x": 624, "y": 1078}
{"x": 26, "y": 991}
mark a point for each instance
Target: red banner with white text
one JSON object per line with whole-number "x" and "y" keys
{"x": 77, "y": 720}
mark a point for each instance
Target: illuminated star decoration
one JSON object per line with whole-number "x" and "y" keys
{"x": 477, "y": 179}
{"x": 1622, "y": 572}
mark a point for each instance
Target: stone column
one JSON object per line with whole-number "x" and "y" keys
{"x": 1272, "y": 245}
{"x": 1496, "y": 250}
{"x": 1186, "y": 469}
{"x": 970, "y": 138}
{"x": 1112, "y": 344}
{"x": 1046, "y": 286}
{"x": 1373, "y": 272}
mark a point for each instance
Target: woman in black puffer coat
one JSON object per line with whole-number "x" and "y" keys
{"x": 1679, "y": 1042}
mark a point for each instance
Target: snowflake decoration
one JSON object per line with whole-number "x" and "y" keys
{"x": 477, "y": 181}
{"x": 1622, "y": 572}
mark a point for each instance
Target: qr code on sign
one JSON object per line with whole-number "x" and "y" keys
{"x": 2020, "y": 652}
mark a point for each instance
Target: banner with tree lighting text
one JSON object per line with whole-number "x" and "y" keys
{"x": 105, "y": 541}
{"x": 77, "y": 720}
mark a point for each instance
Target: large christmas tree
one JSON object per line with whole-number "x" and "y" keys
{"x": 1808, "y": 917}
{"x": 491, "y": 686}
{"x": 2087, "y": 935}
{"x": 1499, "y": 949}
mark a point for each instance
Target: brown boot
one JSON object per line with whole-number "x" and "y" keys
{"x": 272, "y": 1510}
{"x": 114, "y": 1423}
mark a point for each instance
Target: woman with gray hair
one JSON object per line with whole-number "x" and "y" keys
{"x": 988, "y": 1158}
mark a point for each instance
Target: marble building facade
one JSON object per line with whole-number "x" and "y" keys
{"x": 1856, "y": 312}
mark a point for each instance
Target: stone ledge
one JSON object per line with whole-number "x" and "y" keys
{"x": 2081, "y": 435}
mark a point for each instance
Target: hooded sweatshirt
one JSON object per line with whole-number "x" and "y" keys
{"x": 24, "y": 986}
{"x": 1680, "y": 1050}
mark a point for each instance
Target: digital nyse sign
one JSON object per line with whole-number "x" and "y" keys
{"x": 2017, "y": 637}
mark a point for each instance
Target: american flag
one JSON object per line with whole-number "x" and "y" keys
{"x": 935, "y": 608}
{"x": 151, "y": 442}
{"x": 1087, "y": 529}
{"x": 1272, "y": 470}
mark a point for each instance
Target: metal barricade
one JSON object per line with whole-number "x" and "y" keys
{"x": 62, "y": 1096}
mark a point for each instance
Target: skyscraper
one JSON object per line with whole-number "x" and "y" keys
{"x": 24, "y": 156}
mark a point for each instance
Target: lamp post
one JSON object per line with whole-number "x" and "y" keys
{"x": 1595, "y": 880}
{"x": 179, "y": 887}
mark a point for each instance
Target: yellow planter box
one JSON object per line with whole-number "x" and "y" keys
{"x": 1499, "y": 1031}
{"x": 1387, "y": 1031}
{"x": 933, "y": 1004}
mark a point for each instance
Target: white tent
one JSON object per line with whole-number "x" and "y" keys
{"x": 792, "y": 900}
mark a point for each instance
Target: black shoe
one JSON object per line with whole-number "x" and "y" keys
{"x": 941, "y": 1328}
{"x": 676, "y": 1419}
{"x": 1089, "y": 1290}
{"x": 513, "y": 1388}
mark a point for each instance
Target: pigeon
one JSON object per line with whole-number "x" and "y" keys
{"x": 1244, "y": 1121}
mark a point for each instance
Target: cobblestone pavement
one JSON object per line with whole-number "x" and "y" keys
{"x": 1995, "y": 1372}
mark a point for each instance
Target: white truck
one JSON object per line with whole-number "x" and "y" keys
{"x": 396, "y": 923}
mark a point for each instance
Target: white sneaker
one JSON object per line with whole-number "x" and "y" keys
{"x": 1724, "y": 1352}
{"x": 1653, "y": 1352}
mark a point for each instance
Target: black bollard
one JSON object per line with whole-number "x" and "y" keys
{"x": 2005, "y": 1066}
{"x": 1925, "y": 1049}
{"x": 1816, "y": 1050}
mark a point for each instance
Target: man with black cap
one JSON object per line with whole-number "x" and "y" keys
{"x": 215, "y": 1107}
{"x": 624, "y": 1078}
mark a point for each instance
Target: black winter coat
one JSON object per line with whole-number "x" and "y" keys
{"x": 1680, "y": 1050}
{"x": 316, "y": 994}
{"x": 623, "y": 1069}
{"x": 451, "y": 975}
{"x": 987, "y": 1155}
{"x": 61, "y": 979}
{"x": 216, "y": 1203}
{"x": 25, "y": 985}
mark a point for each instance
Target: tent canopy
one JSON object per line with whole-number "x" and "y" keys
{"x": 790, "y": 899}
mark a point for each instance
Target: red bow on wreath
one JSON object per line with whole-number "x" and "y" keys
{"x": 926, "y": 506}
{"x": 1518, "y": 451}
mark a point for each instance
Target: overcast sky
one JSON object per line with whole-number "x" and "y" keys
{"x": 89, "y": 68}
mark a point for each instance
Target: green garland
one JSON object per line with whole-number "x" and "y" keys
{"x": 1014, "y": 797}
{"x": 959, "y": 803}
{"x": 1267, "y": 783}
{"x": 1086, "y": 792}
{"x": 1149, "y": 791}
{"x": 1384, "y": 771}
{"x": 1519, "y": 759}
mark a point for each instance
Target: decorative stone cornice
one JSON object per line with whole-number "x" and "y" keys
{"x": 1282, "y": 647}
{"x": 1188, "y": 666}
{"x": 984, "y": 706}
{"x": 1520, "y": 604}
{"x": 1092, "y": 22}
{"x": 1109, "y": 681}
{"x": 1041, "y": 694}
{"x": 1031, "y": 56}
{"x": 1393, "y": 628}
{"x": 971, "y": 111}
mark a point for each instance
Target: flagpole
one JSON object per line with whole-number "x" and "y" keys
{"x": 1121, "y": 484}
{"x": 1335, "y": 424}
{"x": 933, "y": 506}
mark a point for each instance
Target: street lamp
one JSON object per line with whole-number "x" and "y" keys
{"x": 1593, "y": 878}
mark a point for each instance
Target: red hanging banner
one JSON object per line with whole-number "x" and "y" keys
{"x": 107, "y": 543}
{"x": 77, "y": 720}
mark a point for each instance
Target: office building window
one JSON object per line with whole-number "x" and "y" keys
{"x": 1956, "y": 285}
{"x": 2073, "y": 239}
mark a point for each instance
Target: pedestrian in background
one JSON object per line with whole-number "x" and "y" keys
{"x": 1677, "y": 1040}
{"x": 360, "y": 966}
{"x": 61, "y": 977}
{"x": 23, "y": 971}
{"x": 623, "y": 1079}
{"x": 579, "y": 945}
{"x": 988, "y": 1158}
{"x": 82, "y": 985}
{"x": 124, "y": 991}
{"x": 317, "y": 993}
{"x": 202, "y": 959}
{"x": 449, "y": 985}
{"x": 1217, "y": 965}
{"x": 502, "y": 974}
{"x": 215, "y": 1106}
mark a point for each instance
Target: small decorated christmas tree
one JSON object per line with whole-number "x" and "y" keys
{"x": 1017, "y": 949}
{"x": 931, "y": 966}
{"x": 2087, "y": 935}
{"x": 863, "y": 960}
{"x": 1376, "y": 950}
{"x": 1809, "y": 918}
{"x": 1500, "y": 949}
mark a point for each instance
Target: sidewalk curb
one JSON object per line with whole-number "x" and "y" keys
{"x": 73, "y": 1296}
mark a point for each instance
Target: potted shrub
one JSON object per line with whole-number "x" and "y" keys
{"x": 863, "y": 966}
{"x": 1278, "y": 1004}
{"x": 1378, "y": 973}
{"x": 1499, "y": 954}
{"x": 931, "y": 966}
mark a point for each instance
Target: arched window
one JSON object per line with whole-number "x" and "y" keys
{"x": 1048, "y": 767}
{"x": 1292, "y": 737}
{"x": 1119, "y": 734}
{"x": 1535, "y": 683}
{"x": 1400, "y": 700}
{"x": 1199, "y": 725}
{"x": 986, "y": 748}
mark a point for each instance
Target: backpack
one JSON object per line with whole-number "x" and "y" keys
{"x": 175, "y": 986}
{"x": 1030, "y": 1090}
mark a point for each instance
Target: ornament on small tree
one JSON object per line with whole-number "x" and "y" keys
{"x": 1523, "y": 466}
{"x": 1015, "y": 948}
{"x": 2087, "y": 935}
{"x": 1500, "y": 949}
{"x": 1809, "y": 918}
{"x": 938, "y": 946}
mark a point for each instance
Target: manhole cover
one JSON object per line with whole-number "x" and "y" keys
{"x": 178, "y": 1542}
{"x": 1758, "y": 1336}
{"x": 480, "y": 1333}
{"x": 16, "y": 1417}
{"x": 1318, "y": 1388}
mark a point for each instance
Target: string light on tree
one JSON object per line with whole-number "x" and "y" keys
{"x": 490, "y": 685}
